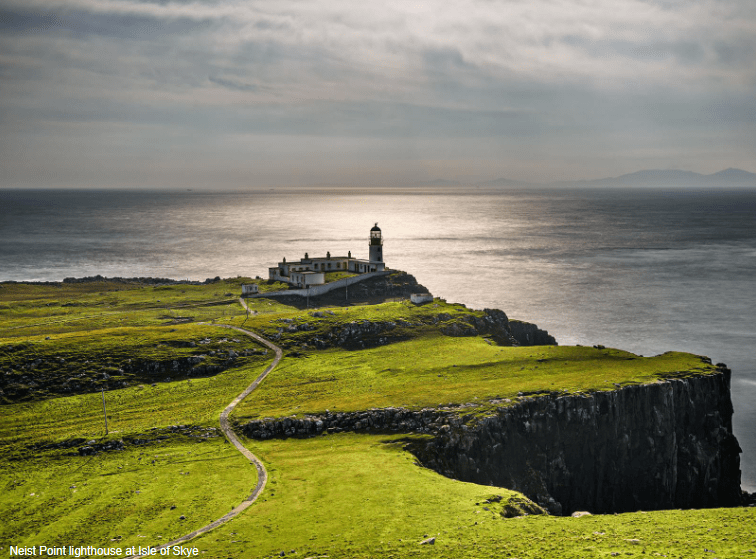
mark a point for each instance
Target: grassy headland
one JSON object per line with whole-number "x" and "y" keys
{"x": 343, "y": 495}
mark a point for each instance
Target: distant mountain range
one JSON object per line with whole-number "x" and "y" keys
{"x": 647, "y": 179}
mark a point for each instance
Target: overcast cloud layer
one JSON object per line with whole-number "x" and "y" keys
{"x": 124, "y": 93}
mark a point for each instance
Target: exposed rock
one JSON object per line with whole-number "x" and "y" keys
{"x": 154, "y": 435}
{"x": 360, "y": 334}
{"x": 748, "y": 499}
{"x": 429, "y": 541}
{"x": 497, "y": 326}
{"x": 139, "y": 280}
{"x": 372, "y": 290}
{"x": 56, "y": 379}
{"x": 655, "y": 446}
{"x": 517, "y": 506}
{"x": 529, "y": 334}
{"x": 387, "y": 419}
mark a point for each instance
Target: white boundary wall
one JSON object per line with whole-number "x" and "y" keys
{"x": 316, "y": 290}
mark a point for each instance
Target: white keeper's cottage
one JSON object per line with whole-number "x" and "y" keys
{"x": 311, "y": 271}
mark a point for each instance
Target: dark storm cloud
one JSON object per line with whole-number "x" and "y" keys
{"x": 231, "y": 84}
{"x": 83, "y": 24}
{"x": 734, "y": 52}
{"x": 20, "y": 21}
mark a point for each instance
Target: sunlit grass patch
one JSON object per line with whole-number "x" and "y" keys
{"x": 436, "y": 370}
{"x": 351, "y": 493}
{"x": 335, "y": 276}
{"x": 341, "y": 495}
{"x": 35, "y": 309}
{"x": 135, "y": 496}
{"x": 363, "y": 496}
{"x": 37, "y": 367}
{"x": 130, "y": 410}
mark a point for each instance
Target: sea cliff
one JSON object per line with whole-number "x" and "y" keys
{"x": 654, "y": 446}
{"x": 663, "y": 445}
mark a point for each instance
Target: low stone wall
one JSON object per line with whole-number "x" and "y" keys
{"x": 386, "y": 419}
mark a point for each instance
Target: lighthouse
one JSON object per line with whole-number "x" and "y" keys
{"x": 308, "y": 272}
{"x": 376, "y": 244}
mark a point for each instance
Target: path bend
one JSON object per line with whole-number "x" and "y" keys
{"x": 262, "y": 474}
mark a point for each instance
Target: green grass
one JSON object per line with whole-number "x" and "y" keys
{"x": 27, "y": 310}
{"x": 436, "y": 370}
{"x": 391, "y": 311}
{"x": 344, "y": 495}
{"x": 354, "y": 495}
{"x": 130, "y": 410}
{"x": 76, "y": 362}
{"x": 402, "y": 320}
{"x": 121, "y": 498}
{"x": 334, "y": 276}
{"x": 53, "y": 333}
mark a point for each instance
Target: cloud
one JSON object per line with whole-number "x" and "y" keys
{"x": 493, "y": 72}
{"x": 540, "y": 40}
{"x": 236, "y": 86}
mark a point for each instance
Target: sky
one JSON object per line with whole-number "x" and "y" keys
{"x": 238, "y": 93}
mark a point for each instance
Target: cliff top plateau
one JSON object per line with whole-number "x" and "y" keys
{"x": 386, "y": 429}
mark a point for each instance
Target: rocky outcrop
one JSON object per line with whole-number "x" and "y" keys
{"x": 386, "y": 419}
{"x": 397, "y": 285}
{"x": 653, "y": 446}
{"x": 529, "y": 334}
{"x": 139, "y": 280}
{"x": 494, "y": 324}
{"x": 357, "y": 334}
{"x": 43, "y": 377}
{"x": 154, "y": 435}
{"x": 361, "y": 334}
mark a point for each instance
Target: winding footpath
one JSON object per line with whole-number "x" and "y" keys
{"x": 262, "y": 474}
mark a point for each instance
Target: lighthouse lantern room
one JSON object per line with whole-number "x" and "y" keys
{"x": 376, "y": 244}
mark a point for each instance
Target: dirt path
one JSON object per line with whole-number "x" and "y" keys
{"x": 262, "y": 474}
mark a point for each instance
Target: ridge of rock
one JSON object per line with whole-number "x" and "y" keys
{"x": 652, "y": 446}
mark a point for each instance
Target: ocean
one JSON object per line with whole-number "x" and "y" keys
{"x": 643, "y": 270}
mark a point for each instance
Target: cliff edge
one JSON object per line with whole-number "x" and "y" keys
{"x": 652, "y": 446}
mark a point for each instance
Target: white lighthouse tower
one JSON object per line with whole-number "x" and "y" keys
{"x": 376, "y": 244}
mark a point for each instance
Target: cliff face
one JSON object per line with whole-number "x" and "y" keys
{"x": 495, "y": 324}
{"x": 529, "y": 334}
{"x": 657, "y": 446}
{"x": 400, "y": 285}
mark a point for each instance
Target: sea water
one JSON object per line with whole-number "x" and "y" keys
{"x": 643, "y": 270}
